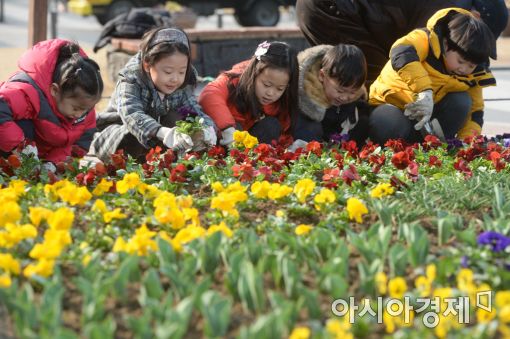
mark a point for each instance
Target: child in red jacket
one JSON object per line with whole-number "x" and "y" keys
{"x": 258, "y": 95}
{"x": 50, "y": 101}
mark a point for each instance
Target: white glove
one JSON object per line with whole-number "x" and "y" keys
{"x": 174, "y": 139}
{"x": 421, "y": 109}
{"x": 48, "y": 166}
{"x": 297, "y": 144}
{"x": 210, "y": 136}
{"x": 227, "y": 136}
{"x": 30, "y": 150}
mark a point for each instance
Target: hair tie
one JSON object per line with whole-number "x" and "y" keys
{"x": 262, "y": 49}
{"x": 77, "y": 71}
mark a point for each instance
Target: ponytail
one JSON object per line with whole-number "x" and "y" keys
{"x": 73, "y": 70}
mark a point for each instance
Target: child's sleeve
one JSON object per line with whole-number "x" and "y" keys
{"x": 214, "y": 102}
{"x": 189, "y": 100}
{"x": 14, "y": 105}
{"x": 131, "y": 111}
{"x": 474, "y": 121}
{"x": 407, "y": 55}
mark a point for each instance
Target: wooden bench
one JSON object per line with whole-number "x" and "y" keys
{"x": 212, "y": 50}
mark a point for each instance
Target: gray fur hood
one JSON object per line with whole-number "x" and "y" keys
{"x": 312, "y": 99}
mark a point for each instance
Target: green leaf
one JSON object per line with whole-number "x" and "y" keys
{"x": 152, "y": 284}
{"x": 250, "y": 288}
{"x": 216, "y": 312}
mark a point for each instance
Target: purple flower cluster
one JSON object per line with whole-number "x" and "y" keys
{"x": 337, "y": 138}
{"x": 497, "y": 241}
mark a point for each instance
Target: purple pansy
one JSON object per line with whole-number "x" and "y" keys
{"x": 497, "y": 241}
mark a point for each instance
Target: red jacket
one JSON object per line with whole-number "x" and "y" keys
{"x": 214, "y": 101}
{"x": 26, "y": 96}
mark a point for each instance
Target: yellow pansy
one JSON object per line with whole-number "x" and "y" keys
{"x": 5, "y": 280}
{"x": 397, "y": 287}
{"x": 43, "y": 268}
{"x": 325, "y": 196}
{"x": 303, "y": 188}
{"x": 278, "y": 191}
{"x": 300, "y": 333}
{"x": 185, "y": 201}
{"x": 430, "y": 272}
{"x": 61, "y": 219}
{"x": 339, "y": 328}
{"x": 9, "y": 264}
{"x": 38, "y": 214}
{"x": 260, "y": 189}
{"x": 148, "y": 191}
{"x": 165, "y": 200}
{"x": 172, "y": 216}
{"x": 18, "y": 186}
{"x": 99, "y": 206}
{"x": 382, "y": 190}
{"x": 484, "y": 317}
{"x": 102, "y": 187}
{"x": 10, "y": 213}
{"x": 129, "y": 181}
{"x": 502, "y": 298}
{"x": 115, "y": 214}
{"x": 423, "y": 284}
{"x": 303, "y": 229}
{"x": 381, "y": 282}
{"x": 356, "y": 209}
{"x": 221, "y": 227}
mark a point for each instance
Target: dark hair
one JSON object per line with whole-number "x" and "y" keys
{"x": 346, "y": 64}
{"x": 279, "y": 55}
{"x": 151, "y": 54}
{"x": 470, "y": 37}
{"x": 73, "y": 70}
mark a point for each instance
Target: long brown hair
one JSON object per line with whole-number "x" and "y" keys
{"x": 279, "y": 55}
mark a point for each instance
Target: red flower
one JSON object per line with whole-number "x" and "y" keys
{"x": 412, "y": 170}
{"x": 314, "y": 147}
{"x": 14, "y": 161}
{"x": 431, "y": 141}
{"x": 498, "y": 163}
{"x": 350, "y": 174}
{"x": 118, "y": 160}
{"x": 395, "y": 144}
{"x": 351, "y": 148}
{"x": 400, "y": 160}
{"x": 245, "y": 172}
{"x": 462, "y": 165}
{"x": 434, "y": 161}
{"x": 367, "y": 150}
{"x": 178, "y": 173}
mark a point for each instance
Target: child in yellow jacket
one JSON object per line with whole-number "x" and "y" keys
{"x": 434, "y": 73}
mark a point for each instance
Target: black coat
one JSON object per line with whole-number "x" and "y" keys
{"x": 372, "y": 25}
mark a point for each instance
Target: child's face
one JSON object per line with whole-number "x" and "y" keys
{"x": 456, "y": 64}
{"x": 75, "y": 104}
{"x": 270, "y": 85}
{"x": 169, "y": 72}
{"x": 335, "y": 93}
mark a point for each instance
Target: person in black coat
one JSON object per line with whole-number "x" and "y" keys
{"x": 374, "y": 25}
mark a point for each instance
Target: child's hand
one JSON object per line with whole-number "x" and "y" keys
{"x": 227, "y": 136}
{"x": 421, "y": 109}
{"x": 174, "y": 139}
{"x": 210, "y": 136}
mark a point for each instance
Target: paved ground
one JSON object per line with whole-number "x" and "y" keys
{"x": 14, "y": 38}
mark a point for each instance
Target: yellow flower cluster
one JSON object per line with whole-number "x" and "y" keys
{"x": 190, "y": 233}
{"x": 356, "y": 209}
{"x": 175, "y": 211}
{"x": 303, "y": 229}
{"x": 272, "y": 191}
{"x": 56, "y": 238}
{"x": 243, "y": 138}
{"x": 382, "y": 190}
{"x": 228, "y": 197}
{"x": 303, "y": 189}
{"x": 68, "y": 192}
{"x": 140, "y": 243}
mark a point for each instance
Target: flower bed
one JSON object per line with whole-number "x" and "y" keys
{"x": 261, "y": 243}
